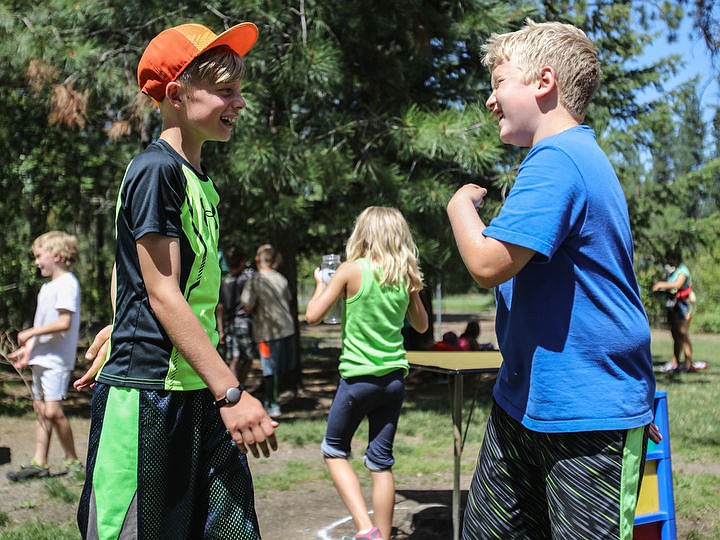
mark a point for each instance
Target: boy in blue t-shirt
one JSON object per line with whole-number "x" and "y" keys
{"x": 566, "y": 440}
{"x": 170, "y": 422}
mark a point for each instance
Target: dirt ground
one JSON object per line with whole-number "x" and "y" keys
{"x": 313, "y": 510}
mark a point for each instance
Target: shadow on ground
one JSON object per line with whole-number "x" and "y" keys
{"x": 431, "y": 515}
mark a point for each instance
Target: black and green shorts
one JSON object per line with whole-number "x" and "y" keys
{"x": 533, "y": 485}
{"x": 162, "y": 465}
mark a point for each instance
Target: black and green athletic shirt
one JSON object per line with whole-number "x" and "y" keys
{"x": 161, "y": 193}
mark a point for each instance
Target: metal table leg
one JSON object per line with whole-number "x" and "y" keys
{"x": 457, "y": 452}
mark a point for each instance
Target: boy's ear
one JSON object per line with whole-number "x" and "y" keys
{"x": 173, "y": 93}
{"x": 546, "y": 81}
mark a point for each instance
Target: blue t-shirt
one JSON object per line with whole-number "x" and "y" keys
{"x": 572, "y": 330}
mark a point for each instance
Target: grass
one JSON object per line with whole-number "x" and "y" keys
{"x": 37, "y": 530}
{"x": 423, "y": 448}
{"x": 693, "y": 407}
{"x": 303, "y": 432}
{"x": 693, "y": 399}
{"x": 65, "y": 490}
{"x": 466, "y": 303}
{"x": 56, "y": 489}
{"x": 290, "y": 475}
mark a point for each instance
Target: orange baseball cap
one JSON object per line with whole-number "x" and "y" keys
{"x": 170, "y": 52}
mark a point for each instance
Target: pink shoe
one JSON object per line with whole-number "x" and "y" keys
{"x": 372, "y": 533}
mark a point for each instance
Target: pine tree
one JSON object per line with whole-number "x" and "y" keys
{"x": 349, "y": 104}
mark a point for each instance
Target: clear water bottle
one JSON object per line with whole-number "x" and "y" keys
{"x": 327, "y": 269}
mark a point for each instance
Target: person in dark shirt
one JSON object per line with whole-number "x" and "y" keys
{"x": 234, "y": 324}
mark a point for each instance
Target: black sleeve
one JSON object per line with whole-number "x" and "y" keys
{"x": 154, "y": 194}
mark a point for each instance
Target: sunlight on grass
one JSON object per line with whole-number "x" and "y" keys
{"x": 693, "y": 399}
{"x": 424, "y": 441}
{"x": 302, "y": 432}
{"x": 698, "y": 494}
{"x": 37, "y": 530}
{"x": 58, "y": 490}
{"x": 290, "y": 476}
{"x": 466, "y": 303}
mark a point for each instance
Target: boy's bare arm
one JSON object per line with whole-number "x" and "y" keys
{"x": 97, "y": 354}
{"x": 98, "y": 349}
{"x": 25, "y": 341}
{"x": 61, "y": 324}
{"x": 489, "y": 261}
{"x": 248, "y": 423}
{"x": 668, "y": 285}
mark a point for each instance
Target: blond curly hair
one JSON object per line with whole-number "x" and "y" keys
{"x": 58, "y": 243}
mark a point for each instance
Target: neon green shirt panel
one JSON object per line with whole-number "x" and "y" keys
{"x": 202, "y": 227}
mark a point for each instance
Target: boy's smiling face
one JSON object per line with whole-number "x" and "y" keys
{"x": 513, "y": 102}
{"x": 44, "y": 260}
{"x": 212, "y": 108}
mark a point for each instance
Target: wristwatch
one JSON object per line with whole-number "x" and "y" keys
{"x": 232, "y": 396}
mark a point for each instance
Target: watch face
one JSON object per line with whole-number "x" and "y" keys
{"x": 233, "y": 395}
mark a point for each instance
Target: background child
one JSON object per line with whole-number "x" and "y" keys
{"x": 267, "y": 297}
{"x": 380, "y": 282}
{"x": 678, "y": 286}
{"x": 50, "y": 348}
{"x": 449, "y": 342}
{"x": 234, "y": 324}
{"x": 170, "y": 423}
{"x": 574, "y": 395}
{"x": 468, "y": 340}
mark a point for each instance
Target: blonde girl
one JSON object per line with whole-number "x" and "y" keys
{"x": 380, "y": 284}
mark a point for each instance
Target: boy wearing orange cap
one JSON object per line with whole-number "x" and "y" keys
{"x": 170, "y": 423}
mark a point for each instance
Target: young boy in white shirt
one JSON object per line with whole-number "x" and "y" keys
{"x": 49, "y": 348}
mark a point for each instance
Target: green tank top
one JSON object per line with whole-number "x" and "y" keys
{"x": 372, "y": 342}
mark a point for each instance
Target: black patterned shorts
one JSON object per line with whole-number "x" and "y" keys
{"x": 528, "y": 484}
{"x": 162, "y": 465}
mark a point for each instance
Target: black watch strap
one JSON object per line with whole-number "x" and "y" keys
{"x": 231, "y": 397}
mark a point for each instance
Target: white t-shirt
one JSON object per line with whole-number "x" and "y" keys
{"x": 57, "y": 350}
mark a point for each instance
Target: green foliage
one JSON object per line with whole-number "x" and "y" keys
{"x": 346, "y": 119}
{"x": 706, "y": 283}
{"x": 349, "y": 104}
